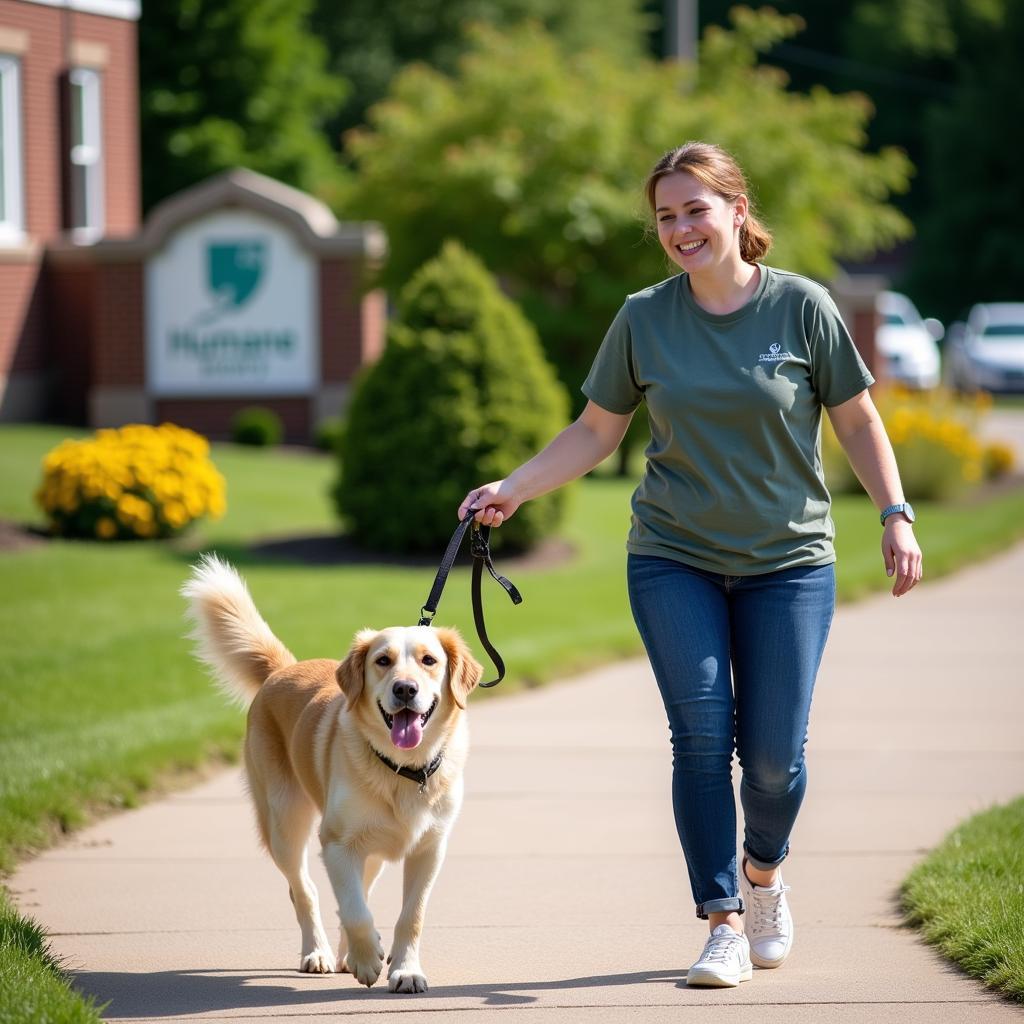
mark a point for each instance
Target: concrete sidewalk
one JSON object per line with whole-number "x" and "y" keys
{"x": 564, "y": 894}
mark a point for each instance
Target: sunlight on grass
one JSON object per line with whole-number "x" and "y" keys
{"x": 102, "y": 624}
{"x": 967, "y": 897}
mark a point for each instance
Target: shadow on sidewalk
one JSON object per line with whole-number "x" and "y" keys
{"x": 176, "y": 993}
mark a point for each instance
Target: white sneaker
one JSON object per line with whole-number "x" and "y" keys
{"x": 725, "y": 961}
{"x": 767, "y": 922}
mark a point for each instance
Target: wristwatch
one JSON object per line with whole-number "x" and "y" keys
{"x": 905, "y": 507}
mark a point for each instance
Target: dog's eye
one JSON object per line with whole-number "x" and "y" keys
{"x": 429, "y": 659}
{"x": 383, "y": 661}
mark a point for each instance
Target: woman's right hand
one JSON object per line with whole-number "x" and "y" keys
{"x": 495, "y": 501}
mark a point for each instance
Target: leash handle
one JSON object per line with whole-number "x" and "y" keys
{"x": 480, "y": 549}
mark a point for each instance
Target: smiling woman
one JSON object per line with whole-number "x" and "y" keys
{"x": 730, "y": 567}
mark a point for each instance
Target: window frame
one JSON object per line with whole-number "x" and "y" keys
{"x": 87, "y": 213}
{"x": 12, "y": 152}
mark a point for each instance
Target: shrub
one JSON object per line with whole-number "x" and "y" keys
{"x": 134, "y": 482}
{"x": 329, "y": 433}
{"x": 461, "y": 396}
{"x": 998, "y": 459}
{"x": 938, "y": 458}
{"x": 934, "y": 437}
{"x": 257, "y": 426}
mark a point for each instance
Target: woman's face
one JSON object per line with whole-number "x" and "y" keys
{"x": 698, "y": 229}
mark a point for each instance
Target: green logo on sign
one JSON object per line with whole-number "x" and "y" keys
{"x": 234, "y": 271}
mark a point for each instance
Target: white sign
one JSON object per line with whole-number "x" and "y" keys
{"x": 231, "y": 309}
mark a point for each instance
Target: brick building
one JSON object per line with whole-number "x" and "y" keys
{"x": 267, "y": 282}
{"x": 69, "y": 167}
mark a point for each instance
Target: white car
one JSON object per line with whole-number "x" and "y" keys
{"x": 907, "y": 343}
{"x": 988, "y": 353}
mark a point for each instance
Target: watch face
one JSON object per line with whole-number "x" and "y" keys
{"x": 908, "y": 511}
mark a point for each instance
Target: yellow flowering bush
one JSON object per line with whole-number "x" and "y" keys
{"x": 934, "y": 436}
{"x": 938, "y": 456}
{"x": 999, "y": 459}
{"x": 134, "y": 482}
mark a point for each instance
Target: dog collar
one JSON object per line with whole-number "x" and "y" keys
{"x": 420, "y": 775}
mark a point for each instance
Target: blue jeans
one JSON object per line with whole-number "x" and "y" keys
{"x": 771, "y": 629}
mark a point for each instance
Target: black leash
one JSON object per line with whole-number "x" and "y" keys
{"x": 481, "y": 551}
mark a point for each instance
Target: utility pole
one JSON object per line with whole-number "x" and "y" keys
{"x": 681, "y": 29}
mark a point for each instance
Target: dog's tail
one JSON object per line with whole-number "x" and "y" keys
{"x": 231, "y": 637}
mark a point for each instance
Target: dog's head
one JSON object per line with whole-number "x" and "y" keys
{"x": 402, "y": 679}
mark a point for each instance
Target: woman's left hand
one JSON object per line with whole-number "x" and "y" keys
{"x": 901, "y": 553}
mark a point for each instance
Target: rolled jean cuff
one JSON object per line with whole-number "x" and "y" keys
{"x": 722, "y": 906}
{"x": 764, "y": 865}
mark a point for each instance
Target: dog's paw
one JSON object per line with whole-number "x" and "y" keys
{"x": 406, "y": 981}
{"x": 365, "y": 961}
{"x": 320, "y": 961}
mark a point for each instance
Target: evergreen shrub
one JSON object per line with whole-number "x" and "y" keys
{"x": 461, "y": 396}
{"x": 257, "y": 426}
{"x": 935, "y": 437}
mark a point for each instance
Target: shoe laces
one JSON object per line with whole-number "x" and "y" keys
{"x": 722, "y": 948}
{"x": 767, "y": 908}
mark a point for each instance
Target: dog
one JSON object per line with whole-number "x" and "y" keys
{"x": 374, "y": 745}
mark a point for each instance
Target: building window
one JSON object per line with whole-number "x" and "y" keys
{"x": 12, "y": 216}
{"x": 86, "y": 155}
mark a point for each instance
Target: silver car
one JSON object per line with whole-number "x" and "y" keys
{"x": 987, "y": 353}
{"x": 906, "y": 343}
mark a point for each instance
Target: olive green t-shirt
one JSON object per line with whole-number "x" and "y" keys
{"x": 734, "y": 480}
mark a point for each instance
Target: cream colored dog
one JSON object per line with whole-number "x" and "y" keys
{"x": 317, "y": 738}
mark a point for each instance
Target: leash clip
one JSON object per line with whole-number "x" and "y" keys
{"x": 478, "y": 543}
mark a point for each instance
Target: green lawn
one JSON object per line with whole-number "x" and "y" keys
{"x": 967, "y": 897}
{"x": 101, "y": 625}
{"x": 100, "y": 699}
{"x": 33, "y": 986}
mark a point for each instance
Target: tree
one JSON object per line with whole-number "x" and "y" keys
{"x": 535, "y": 159}
{"x": 928, "y": 66}
{"x": 228, "y": 83}
{"x": 461, "y": 395}
{"x": 970, "y": 246}
{"x": 916, "y": 52}
{"x": 371, "y": 42}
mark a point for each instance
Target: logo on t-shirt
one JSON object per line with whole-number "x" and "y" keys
{"x": 774, "y": 354}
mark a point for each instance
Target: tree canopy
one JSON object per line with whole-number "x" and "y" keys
{"x": 370, "y": 43}
{"x": 941, "y": 77}
{"x": 226, "y": 83}
{"x": 534, "y": 158}
{"x": 970, "y": 248}
{"x": 462, "y": 394}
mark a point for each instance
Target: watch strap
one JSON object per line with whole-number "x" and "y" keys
{"x": 891, "y": 511}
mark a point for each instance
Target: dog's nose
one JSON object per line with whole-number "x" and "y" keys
{"x": 404, "y": 690}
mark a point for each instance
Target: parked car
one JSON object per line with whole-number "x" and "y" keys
{"x": 907, "y": 343}
{"x": 987, "y": 353}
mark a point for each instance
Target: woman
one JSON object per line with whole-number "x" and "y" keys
{"x": 730, "y": 555}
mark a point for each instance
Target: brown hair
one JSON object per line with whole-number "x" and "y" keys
{"x": 716, "y": 169}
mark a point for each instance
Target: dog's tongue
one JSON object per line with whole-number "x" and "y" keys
{"x": 406, "y": 731}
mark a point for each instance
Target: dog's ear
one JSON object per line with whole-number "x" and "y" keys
{"x": 464, "y": 671}
{"x": 351, "y": 672}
